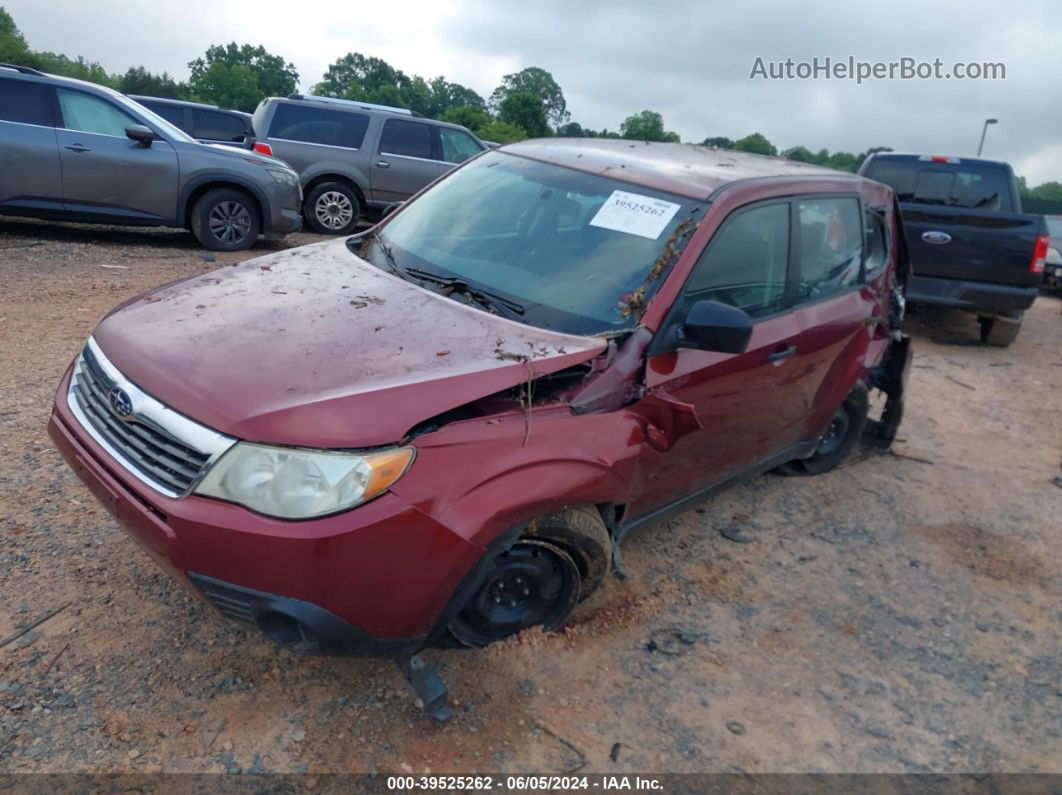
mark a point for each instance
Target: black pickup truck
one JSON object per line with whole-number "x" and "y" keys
{"x": 971, "y": 246}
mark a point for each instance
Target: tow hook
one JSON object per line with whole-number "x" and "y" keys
{"x": 429, "y": 686}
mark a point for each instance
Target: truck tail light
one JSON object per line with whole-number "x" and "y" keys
{"x": 938, "y": 159}
{"x": 263, "y": 149}
{"x": 1039, "y": 256}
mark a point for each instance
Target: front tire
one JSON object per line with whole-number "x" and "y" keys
{"x": 841, "y": 437}
{"x": 1000, "y": 331}
{"x": 332, "y": 208}
{"x": 225, "y": 219}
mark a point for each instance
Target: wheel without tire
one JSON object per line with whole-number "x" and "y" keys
{"x": 841, "y": 436}
{"x": 225, "y": 219}
{"x": 332, "y": 208}
{"x": 1000, "y": 331}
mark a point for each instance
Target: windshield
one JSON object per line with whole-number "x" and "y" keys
{"x": 564, "y": 249}
{"x": 166, "y": 127}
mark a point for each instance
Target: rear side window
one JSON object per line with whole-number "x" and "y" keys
{"x": 174, "y": 114}
{"x": 457, "y": 146}
{"x": 407, "y": 138}
{"x": 745, "y": 263}
{"x": 973, "y": 186}
{"x": 877, "y": 241}
{"x": 25, "y": 102}
{"x": 831, "y": 246}
{"x": 311, "y": 125}
{"x": 218, "y": 126}
{"x": 86, "y": 113}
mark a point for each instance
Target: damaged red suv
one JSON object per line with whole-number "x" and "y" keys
{"x": 438, "y": 431}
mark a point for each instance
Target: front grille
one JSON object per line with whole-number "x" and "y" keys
{"x": 139, "y": 442}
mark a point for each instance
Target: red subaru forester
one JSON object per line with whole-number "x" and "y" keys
{"x": 438, "y": 431}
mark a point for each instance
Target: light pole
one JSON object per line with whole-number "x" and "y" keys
{"x": 984, "y": 129}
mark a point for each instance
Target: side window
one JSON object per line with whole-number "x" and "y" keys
{"x": 25, "y": 102}
{"x": 831, "y": 246}
{"x": 174, "y": 114}
{"x": 877, "y": 242}
{"x": 87, "y": 113}
{"x": 457, "y": 146}
{"x": 408, "y": 138}
{"x": 311, "y": 125}
{"x": 218, "y": 126}
{"x": 746, "y": 261}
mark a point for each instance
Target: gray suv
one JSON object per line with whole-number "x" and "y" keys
{"x": 352, "y": 156}
{"x": 75, "y": 151}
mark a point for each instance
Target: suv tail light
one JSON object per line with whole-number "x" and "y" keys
{"x": 263, "y": 149}
{"x": 1039, "y": 256}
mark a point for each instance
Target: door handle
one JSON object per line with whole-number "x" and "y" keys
{"x": 382, "y": 164}
{"x": 781, "y": 354}
{"x": 78, "y": 148}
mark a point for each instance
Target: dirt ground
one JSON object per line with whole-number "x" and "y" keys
{"x": 901, "y": 614}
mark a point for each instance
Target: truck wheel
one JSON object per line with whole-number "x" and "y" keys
{"x": 225, "y": 219}
{"x": 561, "y": 558}
{"x": 332, "y": 208}
{"x": 841, "y": 436}
{"x": 1000, "y": 331}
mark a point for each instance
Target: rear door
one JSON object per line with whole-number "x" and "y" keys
{"x": 406, "y": 159}
{"x": 29, "y": 150}
{"x": 106, "y": 174}
{"x": 961, "y": 219}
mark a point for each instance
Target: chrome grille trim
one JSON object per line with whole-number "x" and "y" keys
{"x": 159, "y": 447}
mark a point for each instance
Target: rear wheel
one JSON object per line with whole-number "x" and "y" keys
{"x": 225, "y": 219}
{"x": 1000, "y": 331}
{"x": 841, "y": 436}
{"x": 332, "y": 208}
{"x": 561, "y": 558}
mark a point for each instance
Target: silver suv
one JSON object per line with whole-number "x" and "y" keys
{"x": 356, "y": 155}
{"x": 76, "y": 151}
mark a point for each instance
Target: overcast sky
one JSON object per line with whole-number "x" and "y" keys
{"x": 690, "y": 61}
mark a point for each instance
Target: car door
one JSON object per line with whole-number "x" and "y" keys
{"x": 406, "y": 160}
{"x": 748, "y": 406}
{"x": 456, "y": 146}
{"x": 215, "y": 126}
{"x": 104, "y": 172}
{"x": 30, "y": 179}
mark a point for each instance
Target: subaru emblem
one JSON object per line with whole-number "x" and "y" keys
{"x": 121, "y": 402}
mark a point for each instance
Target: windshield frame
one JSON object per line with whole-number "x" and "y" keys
{"x": 168, "y": 128}
{"x": 535, "y": 313}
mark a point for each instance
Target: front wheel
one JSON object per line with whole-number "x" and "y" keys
{"x": 841, "y": 436}
{"x": 332, "y": 208}
{"x": 225, "y": 220}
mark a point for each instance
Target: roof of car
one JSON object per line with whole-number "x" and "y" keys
{"x": 685, "y": 169}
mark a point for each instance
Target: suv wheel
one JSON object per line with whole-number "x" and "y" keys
{"x": 225, "y": 220}
{"x": 1000, "y": 331}
{"x": 561, "y": 558}
{"x": 841, "y": 436}
{"x": 332, "y": 208}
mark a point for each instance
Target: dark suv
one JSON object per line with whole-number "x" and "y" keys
{"x": 76, "y": 151}
{"x": 208, "y": 124}
{"x": 352, "y": 156}
{"x": 440, "y": 430}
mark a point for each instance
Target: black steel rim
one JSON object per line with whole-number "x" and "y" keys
{"x": 835, "y": 434}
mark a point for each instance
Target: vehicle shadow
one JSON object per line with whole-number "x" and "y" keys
{"x": 47, "y": 231}
{"x": 943, "y": 326}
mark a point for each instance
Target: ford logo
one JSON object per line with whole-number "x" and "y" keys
{"x": 936, "y": 238}
{"x": 121, "y": 402}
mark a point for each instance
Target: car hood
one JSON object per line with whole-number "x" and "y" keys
{"x": 316, "y": 347}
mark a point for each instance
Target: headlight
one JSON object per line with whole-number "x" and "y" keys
{"x": 300, "y": 484}
{"x": 286, "y": 177}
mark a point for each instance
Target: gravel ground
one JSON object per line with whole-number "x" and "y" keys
{"x": 900, "y": 614}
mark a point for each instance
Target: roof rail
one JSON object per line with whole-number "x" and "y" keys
{"x": 26, "y": 70}
{"x": 354, "y": 103}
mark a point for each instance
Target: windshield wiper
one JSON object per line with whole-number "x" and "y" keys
{"x": 452, "y": 284}
{"x": 392, "y": 265}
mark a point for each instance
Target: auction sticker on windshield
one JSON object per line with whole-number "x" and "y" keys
{"x": 635, "y": 214}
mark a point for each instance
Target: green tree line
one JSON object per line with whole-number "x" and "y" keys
{"x": 526, "y": 104}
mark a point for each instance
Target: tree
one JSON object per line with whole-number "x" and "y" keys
{"x": 573, "y": 129}
{"x": 757, "y": 144}
{"x": 647, "y": 126}
{"x": 719, "y": 142}
{"x": 13, "y": 47}
{"x": 138, "y": 80}
{"x": 538, "y": 82}
{"x": 470, "y": 116}
{"x": 524, "y": 109}
{"x": 225, "y": 69}
{"x": 445, "y": 95}
{"x": 78, "y": 68}
{"x": 501, "y": 132}
{"x": 800, "y": 153}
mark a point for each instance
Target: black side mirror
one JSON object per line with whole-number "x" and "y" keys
{"x": 141, "y": 134}
{"x": 712, "y": 326}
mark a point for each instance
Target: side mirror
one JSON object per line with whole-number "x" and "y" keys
{"x": 390, "y": 209}
{"x": 712, "y": 326}
{"x": 141, "y": 134}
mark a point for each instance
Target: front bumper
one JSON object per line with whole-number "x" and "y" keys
{"x": 974, "y": 296}
{"x": 368, "y": 582}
